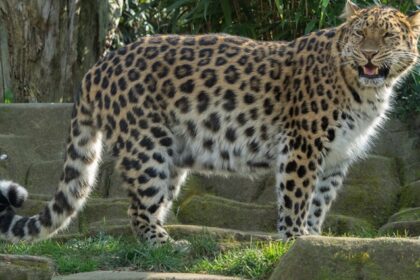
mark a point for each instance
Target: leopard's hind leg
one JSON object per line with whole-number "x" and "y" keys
{"x": 152, "y": 182}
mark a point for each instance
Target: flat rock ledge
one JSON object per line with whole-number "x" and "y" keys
{"x": 129, "y": 275}
{"x": 121, "y": 228}
{"x": 16, "y": 267}
{"x": 350, "y": 258}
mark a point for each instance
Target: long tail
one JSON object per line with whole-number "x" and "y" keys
{"x": 78, "y": 177}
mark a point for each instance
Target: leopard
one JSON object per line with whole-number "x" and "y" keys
{"x": 166, "y": 105}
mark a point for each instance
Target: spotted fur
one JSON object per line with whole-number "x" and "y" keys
{"x": 168, "y": 104}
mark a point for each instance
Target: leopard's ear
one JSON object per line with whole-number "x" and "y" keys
{"x": 350, "y": 10}
{"x": 414, "y": 20}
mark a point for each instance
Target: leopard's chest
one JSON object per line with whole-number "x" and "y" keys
{"x": 354, "y": 134}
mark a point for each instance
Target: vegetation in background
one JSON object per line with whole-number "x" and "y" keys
{"x": 8, "y": 96}
{"x": 250, "y": 260}
{"x": 258, "y": 19}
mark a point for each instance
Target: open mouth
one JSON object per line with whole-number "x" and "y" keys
{"x": 371, "y": 71}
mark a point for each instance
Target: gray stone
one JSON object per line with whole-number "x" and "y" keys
{"x": 371, "y": 191}
{"x": 33, "y": 136}
{"x": 109, "y": 183}
{"x": 16, "y": 267}
{"x": 102, "y": 211}
{"x": 43, "y": 177}
{"x": 102, "y": 214}
{"x": 238, "y": 188}
{"x": 374, "y": 169}
{"x": 409, "y": 214}
{"x": 131, "y": 275}
{"x": 401, "y": 140}
{"x": 402, "y": 228}
{"x": 341, "y": 224}
{"x": 373, "y": 203}
{"x": 214, "y": 211}
{"x": 410, "y": 195}
{"x": 182, "y": 231}
{"x": 397, "y": 138}
{"x": 319, "y": 258}
{"x": 177, "y": 231}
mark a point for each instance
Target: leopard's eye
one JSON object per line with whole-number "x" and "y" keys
{"x": 359, "y": 33}
{"x": 389, "y": 35}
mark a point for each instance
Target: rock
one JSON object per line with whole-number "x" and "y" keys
{"x": 23, "y": 131}
{"x": 410, "y": 214}
{"x": 402, "y": 228}
{"x": 341, "y": 224}
{"x": 108, "y": 212}
{"x": 16, "y": 267}
{"x": 374, "y": 169}
{"x": 110, "y": 184}
{"x": 119, "y": 228}
{"x": 103, "y": 210}
{"x": 402, "y": 140}
{"x": 183, "y": 231}
{"x": 373, "y": 203}
{"x": 43, "y": 177}
{"x": 238, "y": 188}
{"x": 267, "y": 191}
{"x": 371, "y": 191}
{"x": 131, "y": 275}
{"x": 350, "y": 258}
{"x": 395, "y": 131}
{"x": 214, "y": 211}
{"x": 410, "y": 195}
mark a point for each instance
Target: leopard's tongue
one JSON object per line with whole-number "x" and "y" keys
{"x": 370, "y": 70}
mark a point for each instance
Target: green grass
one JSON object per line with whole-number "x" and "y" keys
{"x": 251, "y": 260}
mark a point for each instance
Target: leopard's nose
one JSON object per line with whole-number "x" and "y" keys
{"x": 369, "y": 54}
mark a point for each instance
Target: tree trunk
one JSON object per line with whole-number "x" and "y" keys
{"x": 47, "y": 45}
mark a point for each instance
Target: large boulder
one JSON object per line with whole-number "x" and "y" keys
{"x": 15, "y": 267}
{"x": 319, "y": 258}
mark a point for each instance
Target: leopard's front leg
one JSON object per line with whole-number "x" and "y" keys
{"x": 296, "y": 178}
{"x": 329, "y": 182}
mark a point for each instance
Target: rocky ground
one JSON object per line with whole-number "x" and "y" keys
{"x": 381, "y": 194}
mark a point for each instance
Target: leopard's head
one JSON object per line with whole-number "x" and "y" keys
{"x": 379, "y": 44}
